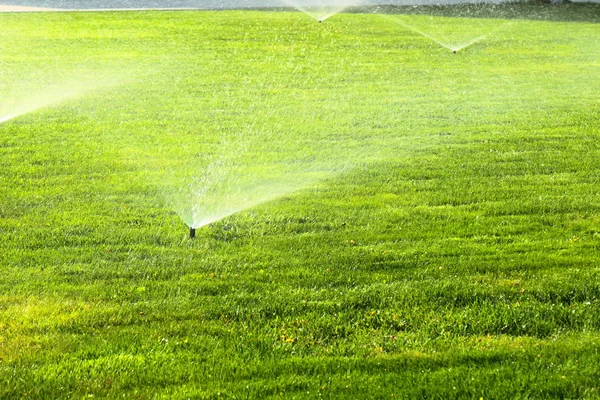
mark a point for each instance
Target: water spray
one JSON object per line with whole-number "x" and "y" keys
{"x": 192, "y": 232}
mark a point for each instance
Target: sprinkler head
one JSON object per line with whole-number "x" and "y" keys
{"x": 192, "y": 233}
{"x": 454, "y": 51}
{"x": 320, "y": 20}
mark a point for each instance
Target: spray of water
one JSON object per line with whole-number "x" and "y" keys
{"x": 446, "y": 37}
{"x": 44, "y": 98}
{"x": 400, "y": 21}
{"x": 222, "y": 189}
{"x": 323, "y": 10}
{"x": 482, "y": 37}
{"x": 24, "y": 97}
{"x": 246, "y": 173}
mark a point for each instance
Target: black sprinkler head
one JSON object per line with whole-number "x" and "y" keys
{"x": 454, "y": 51}
{"x": 192, "y": 233}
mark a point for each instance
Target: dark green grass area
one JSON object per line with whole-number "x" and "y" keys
{"x": 455, "y": 256}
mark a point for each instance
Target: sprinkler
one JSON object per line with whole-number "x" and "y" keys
{"x": 192, "y": 233}
{"x": 454, "y": 51}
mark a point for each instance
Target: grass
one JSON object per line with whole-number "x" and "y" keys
{"x": 455, "y": 254}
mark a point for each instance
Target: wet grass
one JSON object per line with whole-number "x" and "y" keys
{"x": 456, "y": 256}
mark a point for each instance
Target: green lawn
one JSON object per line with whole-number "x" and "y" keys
{"x": 428, "y": 223}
